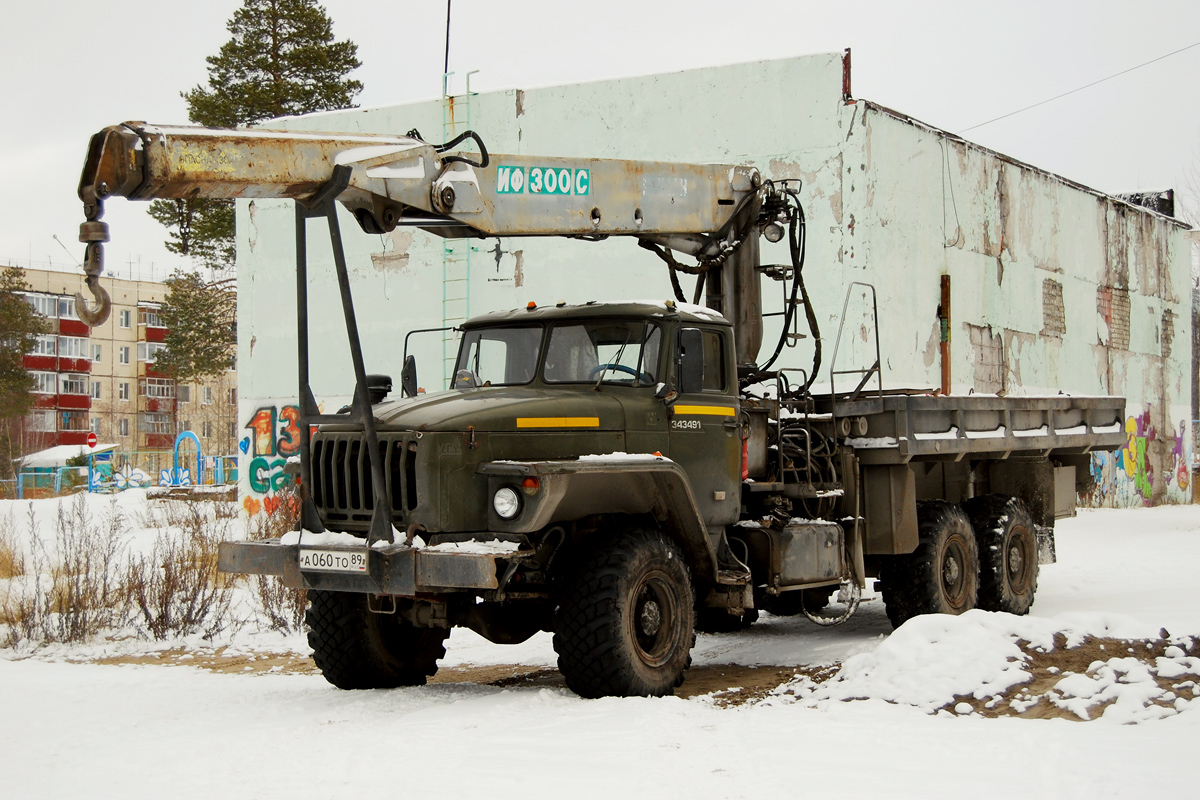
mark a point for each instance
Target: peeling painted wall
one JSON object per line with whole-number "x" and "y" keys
{"x": 1054, "y": 287}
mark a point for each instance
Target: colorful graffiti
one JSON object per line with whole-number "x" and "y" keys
{"x": 1182, "y": 475}
{"x": 274, "y": 438}
{"x": 1139, "y": 433}
{"x": 1127, "y": 477}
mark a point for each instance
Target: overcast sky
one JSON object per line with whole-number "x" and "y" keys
{"x": 73, "y": 67}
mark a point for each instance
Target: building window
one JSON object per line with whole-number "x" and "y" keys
{"x": 124, "y": 355}
{"x": 95, "y": 390}
{"x": 40, "y": 421}
{"x": 233, "y": 362}
{"x": 45, "y": 345}
{"x": 72, "y": 347}
{"x": 96, "y": 425}
{"x": 73, "y": 421}
{"x": 232, "y": 431}
{"x": 186, "y": 425}
{"x": 66, "y": 308}
{"x": 96, "y": 353}
{"x": 184, "y": 393}
{"x": 159, "y": 388}
{"x": 126, "y": 319}
{"x": 123, "y": 426}
{"x": 233, "y": 397}
{"x": 44, "y": 305}
{"x": 45, "y": 382}
{"x": 149, "y": 317}
{"x": 207, "y": 395}
{"x": 123, "y": 391}
{"x": 148, "y": 351}
{"x": 206, "y": 430}
{"x": 73, "y": 383}
{"x": 154, "y": 423}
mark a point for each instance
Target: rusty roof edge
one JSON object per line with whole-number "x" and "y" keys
{"x": 1017, "y": 162}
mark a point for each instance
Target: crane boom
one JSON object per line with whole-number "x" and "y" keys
{"x": 703, "y": 210}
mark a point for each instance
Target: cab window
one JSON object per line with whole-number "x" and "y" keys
{"x": 714, "y": 362}
{"x": 498, "y": 356}
{"x": 622, "y": 352}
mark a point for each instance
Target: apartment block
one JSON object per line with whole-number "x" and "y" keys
{"x": 103, "y": 380}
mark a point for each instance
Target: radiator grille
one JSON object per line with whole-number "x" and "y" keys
{"x": 342, "y": 489}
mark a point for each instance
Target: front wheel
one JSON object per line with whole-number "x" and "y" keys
{"x": 623, "y": 626}
{"x": 357, "y": 649}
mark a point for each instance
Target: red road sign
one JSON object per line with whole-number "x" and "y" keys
{"x": 91, "y": 440}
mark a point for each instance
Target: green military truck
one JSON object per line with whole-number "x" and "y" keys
{"x": 617, "y": 474}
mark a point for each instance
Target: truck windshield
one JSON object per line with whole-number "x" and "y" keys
{"x": 498, "y": 356}
{"x": 623, "y": 352}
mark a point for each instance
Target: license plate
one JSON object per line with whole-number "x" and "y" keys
{"x": 334, "y": 560}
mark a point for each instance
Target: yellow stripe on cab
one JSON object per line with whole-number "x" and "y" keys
{"x": 711, "y": 411}
{"x": 558, "y": 422}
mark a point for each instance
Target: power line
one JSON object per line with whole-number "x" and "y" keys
{"x": 1081, "y": 88}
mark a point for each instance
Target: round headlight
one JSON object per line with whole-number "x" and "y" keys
{"x": 507, "y": 502}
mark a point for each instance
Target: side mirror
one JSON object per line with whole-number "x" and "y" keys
{"x": 665, "y": 393}
{"x": 408, "y": 377}
{"x": 691, "y": 360}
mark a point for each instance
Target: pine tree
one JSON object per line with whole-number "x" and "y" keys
{"x": 201, "y": 322}
{"x": 282, "y": 60}
{"x": 19, "y": 326}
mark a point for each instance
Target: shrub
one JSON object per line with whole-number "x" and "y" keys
{"x": 177, "y": 590}
{"x": 281, "y": 607}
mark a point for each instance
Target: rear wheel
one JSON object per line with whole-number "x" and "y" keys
{"x": 942, "y": 575}
{"x": 1008, "y": 553}
{"x": 357, "y": 649}
{"x": 623, "y": 626}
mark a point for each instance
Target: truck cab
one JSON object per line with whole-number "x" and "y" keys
{"x": 593, "y": 384}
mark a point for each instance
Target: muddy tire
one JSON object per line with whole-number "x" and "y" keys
{"x": 623, "y": 626}
{"x": 1008, "y": 553}
{"x": 942, "y": 575}
{"x": 718, "y": 620}
{"x": 356, "y": 649}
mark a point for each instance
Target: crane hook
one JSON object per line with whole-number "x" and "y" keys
{"x": 95, "y": 234}
{"x": 93, "y": 317}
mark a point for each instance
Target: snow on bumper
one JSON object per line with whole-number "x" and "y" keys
{"x": 395, "y": 569}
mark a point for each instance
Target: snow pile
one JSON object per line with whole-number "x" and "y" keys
{"x": 492, "y": 547}
{"x": 936, "y": 663}
{"x": 928, "y": 662}
{"x": 1131, "y": 690}
{"x": 324, "y": 539}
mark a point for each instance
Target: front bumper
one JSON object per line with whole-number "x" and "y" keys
{"x": 393, "y": 570}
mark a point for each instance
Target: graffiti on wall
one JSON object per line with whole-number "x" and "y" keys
{"x": 1180, "y": 458}
{"x": 274, "y": 438}
{"x": 1139, "y": 434}
{"x": 1127, "y": 477}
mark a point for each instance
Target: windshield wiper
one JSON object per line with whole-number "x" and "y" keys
{"x": 615, "y": 362}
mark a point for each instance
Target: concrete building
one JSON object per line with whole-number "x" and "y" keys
{"x": 103, "y": 380}
{"x": 1054, "y": 287}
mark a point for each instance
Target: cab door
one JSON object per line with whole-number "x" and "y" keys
{"x": 703, "y": 421}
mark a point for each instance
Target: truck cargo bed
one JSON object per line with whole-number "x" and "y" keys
{"x": 921, "y": 427}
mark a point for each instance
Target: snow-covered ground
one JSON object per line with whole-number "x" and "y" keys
{"x": 88, "y": 730}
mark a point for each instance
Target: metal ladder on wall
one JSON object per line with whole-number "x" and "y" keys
{"x": 456, "y": 253}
